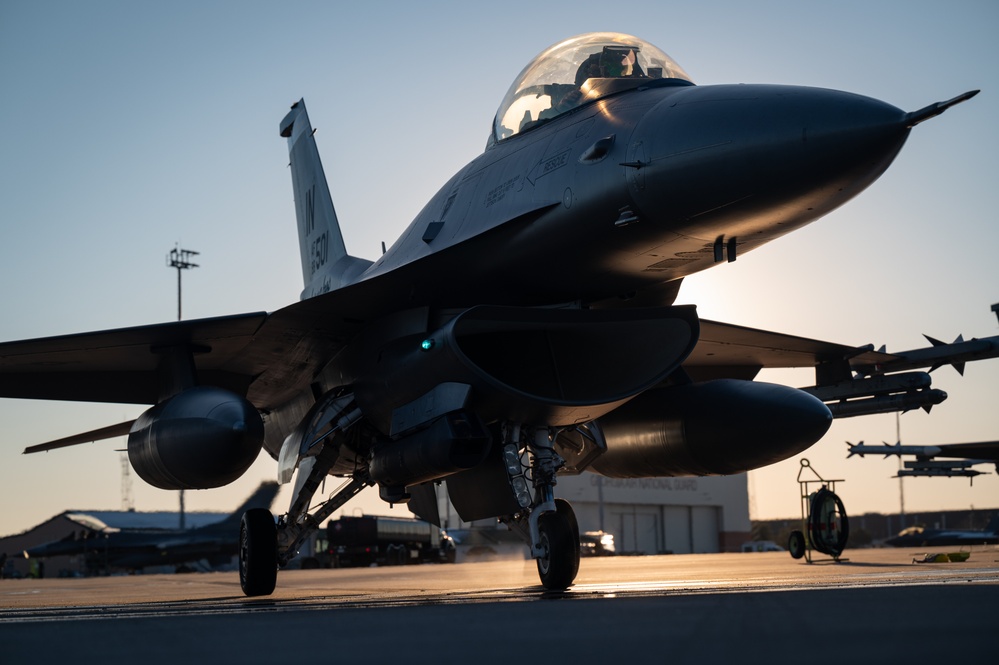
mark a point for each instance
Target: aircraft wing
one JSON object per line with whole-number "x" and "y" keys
{"x": 262, "y": 356}
{"x": 267, "y": 357}
{"x": 122, "y": 365}
{"x": 852, "y": 381}
{"x": 271, "y": 357}
{"x": 725, "y": 350}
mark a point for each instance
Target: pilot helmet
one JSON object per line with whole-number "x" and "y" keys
{"x": 617, "y": 61}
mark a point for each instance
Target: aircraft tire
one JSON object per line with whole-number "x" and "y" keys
{"x": 565, "y": 508}
{"x": 258, "y": 553}
{"x": 560, "y": 536}
{"x": 796, "y": 544}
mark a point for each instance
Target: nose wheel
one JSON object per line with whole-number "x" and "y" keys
{"x": 559, "y": 536}
{"x": 258, "y": 562}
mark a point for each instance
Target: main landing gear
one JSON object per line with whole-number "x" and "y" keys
{"x": 264, "y": 545}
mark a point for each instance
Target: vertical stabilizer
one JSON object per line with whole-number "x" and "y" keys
{"x": 325, "y": 262}
{"x": 262, "y": 498}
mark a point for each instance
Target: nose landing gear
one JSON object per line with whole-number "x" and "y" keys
{"x": 547, "y": 524}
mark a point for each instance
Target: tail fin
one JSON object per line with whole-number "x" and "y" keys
{"x": 262, "y": 498}
{"x": 325, "y": 262}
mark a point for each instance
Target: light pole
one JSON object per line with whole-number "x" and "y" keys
{"x": 181, "y": 260}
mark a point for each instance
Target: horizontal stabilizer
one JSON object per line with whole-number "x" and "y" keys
{"x": 121, "y": 429}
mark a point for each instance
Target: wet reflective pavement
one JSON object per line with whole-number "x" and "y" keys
{"x": 874, "y": 605}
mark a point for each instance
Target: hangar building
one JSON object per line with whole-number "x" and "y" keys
{"x": 662, "y": 515}
{"x": 645, "y": 515}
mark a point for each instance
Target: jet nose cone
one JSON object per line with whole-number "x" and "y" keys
{"x": 790, "y": 119}
{"x": 765, "y": 155}
{"x": 834, "y": 133}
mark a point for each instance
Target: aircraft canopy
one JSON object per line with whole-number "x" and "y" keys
{"x": 90, "y": 522}
{"x": 580, "y": 70}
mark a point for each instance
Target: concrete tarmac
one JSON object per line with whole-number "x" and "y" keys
{"x": 875, "y": 606}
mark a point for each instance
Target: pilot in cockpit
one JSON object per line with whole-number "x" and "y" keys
{"x": 611, "y": 62}
{"x": 600, "y": 74}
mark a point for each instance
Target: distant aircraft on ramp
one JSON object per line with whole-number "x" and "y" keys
{"x": 918, "y": 536}
{"x": 108, "y": 548}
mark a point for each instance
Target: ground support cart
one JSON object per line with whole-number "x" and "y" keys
{"x": 824, "y": 525}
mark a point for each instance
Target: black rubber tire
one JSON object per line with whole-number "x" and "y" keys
{"x": 565, "y": 508}
{"x": 258, "y": 553}
{"x": 796, "y": 544}
{"x": 558, "y": 567}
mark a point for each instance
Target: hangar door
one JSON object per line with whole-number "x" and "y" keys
{"x": 676, "y": 520}
{"x": 704, "y": 529}
{"x": 637, "y": 529}
{"x": 654, "y": 529}
{"x": 691, "y": 529}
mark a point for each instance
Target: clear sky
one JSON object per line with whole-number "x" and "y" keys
{"x": 129, "y": 127}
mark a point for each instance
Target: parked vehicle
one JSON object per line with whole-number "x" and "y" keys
{"x": 383, "y": 541}
{"x": 596, "y": 543}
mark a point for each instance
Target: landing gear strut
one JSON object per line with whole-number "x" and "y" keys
{"x": 546, "y": 523}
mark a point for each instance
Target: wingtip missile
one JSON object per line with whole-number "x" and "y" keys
{"x": 915, "y": 117}
{"x": 860, "y": 449}
{"x": 887, "y": 449}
